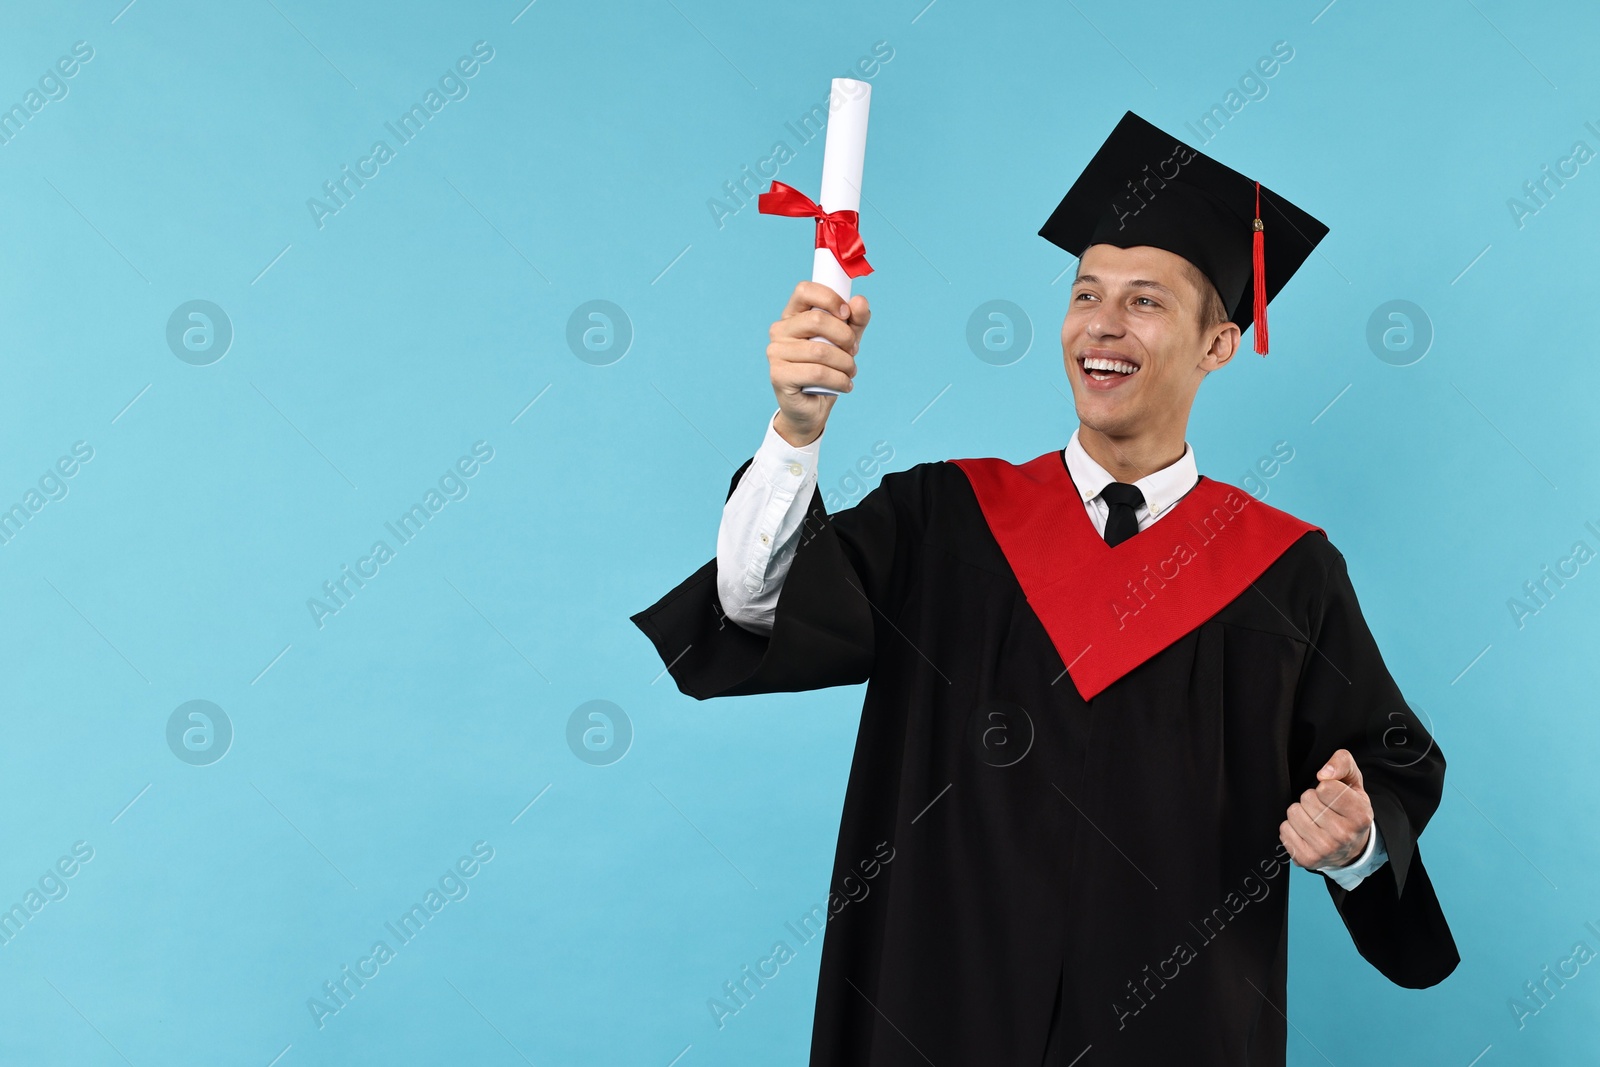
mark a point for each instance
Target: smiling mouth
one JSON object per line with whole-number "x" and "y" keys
{"x": 1104, "y": 370}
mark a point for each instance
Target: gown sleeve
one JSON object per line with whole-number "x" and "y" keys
{"x": 848, "y": 570}
{"x": 1346, "y": 698}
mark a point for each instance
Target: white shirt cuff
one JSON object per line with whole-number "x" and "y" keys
{"x": 760, "y": 523}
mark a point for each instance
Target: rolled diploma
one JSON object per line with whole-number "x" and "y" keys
{"x": 843, "y": 153}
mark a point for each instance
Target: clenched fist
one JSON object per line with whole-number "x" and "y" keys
{"x": 1329, "y": 825}
{"x": 813, "y": 310}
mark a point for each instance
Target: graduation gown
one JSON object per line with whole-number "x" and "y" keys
{"x": 1077, "y": 757}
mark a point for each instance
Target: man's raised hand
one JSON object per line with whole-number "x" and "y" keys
{"x": 813, "y": 310}
{"x": 1329, "y": 825}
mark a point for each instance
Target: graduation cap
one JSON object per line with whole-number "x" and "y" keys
{"x": 1145, "y": 187}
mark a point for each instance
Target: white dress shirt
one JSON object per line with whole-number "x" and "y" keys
{"x": 757, "y": 540}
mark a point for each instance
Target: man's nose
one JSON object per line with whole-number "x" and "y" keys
{"x": 1106, "y": 322}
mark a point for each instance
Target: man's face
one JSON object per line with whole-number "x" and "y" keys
{"x": 1138, "y": 308}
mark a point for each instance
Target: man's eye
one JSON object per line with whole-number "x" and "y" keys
{"x": 1152, "y": 302}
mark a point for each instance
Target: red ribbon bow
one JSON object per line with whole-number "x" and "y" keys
{"x": 837, "y": 231}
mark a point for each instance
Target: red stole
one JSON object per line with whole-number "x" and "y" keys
{"x": 1108, "y": 609}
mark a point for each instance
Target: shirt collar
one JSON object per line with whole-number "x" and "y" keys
{"x": 1161, "y": 490}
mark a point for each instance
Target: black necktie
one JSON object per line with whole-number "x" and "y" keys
{"x": 1122, "y": 523}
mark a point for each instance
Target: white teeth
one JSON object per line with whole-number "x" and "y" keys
{"x": 1095, "y": 363}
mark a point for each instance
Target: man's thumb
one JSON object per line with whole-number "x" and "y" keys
{"x": 1341, "y": 765}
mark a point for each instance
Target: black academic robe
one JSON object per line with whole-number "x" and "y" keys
{"x": 1084, "y": 862}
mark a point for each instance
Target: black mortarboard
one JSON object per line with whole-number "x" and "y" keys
{"x": 1145, "y": 187}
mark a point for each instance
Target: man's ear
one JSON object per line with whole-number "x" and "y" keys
{"x": 1224, "y": 343}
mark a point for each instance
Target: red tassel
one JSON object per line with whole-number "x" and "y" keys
{"x": 1258, "y": 268}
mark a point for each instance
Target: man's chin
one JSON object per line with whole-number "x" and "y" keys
{"x": 1112, "y": 419}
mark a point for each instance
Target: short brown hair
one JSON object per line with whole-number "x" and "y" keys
{"x": 1212, "y": 313}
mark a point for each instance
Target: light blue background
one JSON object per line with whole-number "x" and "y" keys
{"x": 431, "y": 310}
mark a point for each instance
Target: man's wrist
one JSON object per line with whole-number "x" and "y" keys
{"x": 793, "y": 436}
{"x": 1362, "y": 853}
{"x": 1361, "y": 850}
